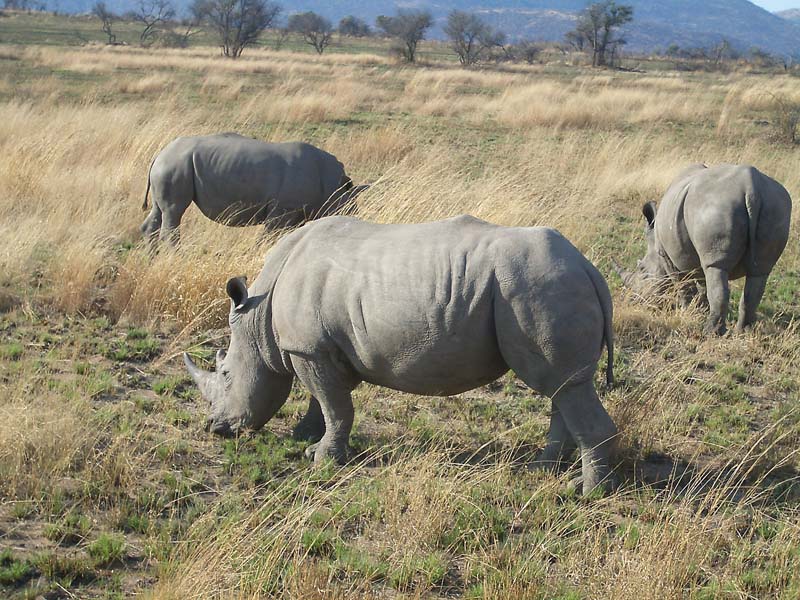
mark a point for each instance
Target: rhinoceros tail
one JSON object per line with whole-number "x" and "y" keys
{"x": 147, "y": 189}
{"x": 753, "y": 204}
{"x": 604, "y": 296}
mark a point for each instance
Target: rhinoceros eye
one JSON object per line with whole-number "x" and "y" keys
{"x": 226, "y": 377}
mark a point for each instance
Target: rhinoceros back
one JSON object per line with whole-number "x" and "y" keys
{"x": 730, "y": 216}
{"x": 240, "y": 181}
{"x": 404, "y": 303}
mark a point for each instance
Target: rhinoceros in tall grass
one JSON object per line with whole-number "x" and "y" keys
{"x": 239, "y": 181}
{"x": 715, "y": 224}
{"x": 431, "y": 309}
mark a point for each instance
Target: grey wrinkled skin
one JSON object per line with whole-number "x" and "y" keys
{"x": 431, "y": 309}
{"x": 240, "y": 181}
{"x": 714, "y": 224}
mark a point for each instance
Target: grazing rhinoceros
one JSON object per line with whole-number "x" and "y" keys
{"x": 238, "y": 181}
{"x": 715, "y": 224}
{"x": 432, "y": 309}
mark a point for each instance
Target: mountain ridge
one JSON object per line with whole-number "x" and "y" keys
{"x": 791, "y": 14}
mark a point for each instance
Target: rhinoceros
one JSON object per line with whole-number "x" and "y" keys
{"x": 239, "y": 181}
{"x": 433, "y": 309}
{"x": 715, "y": 224}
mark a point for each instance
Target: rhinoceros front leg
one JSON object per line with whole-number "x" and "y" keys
{"x": 332, "y": 389}
{"x": 593, "y": 430}
{"x": 687, "y": 292}
{"x": 560, "y": 444}
{"x": 312, "y": 426}
{"x": 753, "y": 291}
{"x": 718, "y": 293}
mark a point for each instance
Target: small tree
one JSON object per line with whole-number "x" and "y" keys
{"x": 470, "y": 37}
{"x": 315, "y": 29}
{"x": 529, "y": 51}
{"x": 107, "y": 19}
{"x": 179, "y": 34}
{"x": 238, "y": 23}
{"x": 576, "y": 39}
{"x": 152, "y": 14}
{"x": 786, "y": 117}
{"x": 354, "y": 27}
{"x": 723, "y": 52}
{"x": 409, "y": 27}
{"x": 281, "y": 37}
{"x": 598, "y": 26}
{"x": 762, "y": 58}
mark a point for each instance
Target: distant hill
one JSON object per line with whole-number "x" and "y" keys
{"x": 792, "y": 14}
{"x": 657, "y": 24}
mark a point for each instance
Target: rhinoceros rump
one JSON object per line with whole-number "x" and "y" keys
{"x": 715, "y": 224}
{"x": 432, "y": 309}
{"x": 238, "y": 181}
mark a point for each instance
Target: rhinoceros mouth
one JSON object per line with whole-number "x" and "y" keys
{"x": 625, "y": 276}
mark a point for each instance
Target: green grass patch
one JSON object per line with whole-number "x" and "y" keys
{"x": 67, "y": 570}
{"x": 137, "y": 346}
{"x": 173, "y": 385}
{"x": 107, "y": 548}
{"x": 70, "y": 529}
{"x": 263, "y": 457}
{"x": 11, "y": 351}
{"x": 14, "y": 571}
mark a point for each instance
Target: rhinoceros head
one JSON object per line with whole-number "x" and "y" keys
{"x": 650, "y": 271}
{"x": 243, "y": 392}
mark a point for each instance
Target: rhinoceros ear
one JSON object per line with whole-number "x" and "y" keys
{"x": 345, "y": 183}
{"x": 237, "y": 290}
{"x": 649, "y": 212}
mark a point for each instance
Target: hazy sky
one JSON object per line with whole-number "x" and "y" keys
{"x": 777, "y": 4}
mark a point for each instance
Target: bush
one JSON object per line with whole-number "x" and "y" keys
{"x": 785, "y": 118}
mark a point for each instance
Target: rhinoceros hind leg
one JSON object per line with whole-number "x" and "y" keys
{"x": 702, "y": 295}
{"x": 593, "y": 430}
{"x": 560, "y": 444}
{"x": 718, "y": 293}
{"x": 329, "y": 385}
{"x": 753, "y": 291}
{"x": 169, "y": 231}
{"x": 171, "y": 218}
{"x": 311, "y": 427}
{"x": 151, "y": 224}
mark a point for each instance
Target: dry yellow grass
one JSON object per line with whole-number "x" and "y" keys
{"x": 527, "y": 146}
{"x": 596, "y": 103}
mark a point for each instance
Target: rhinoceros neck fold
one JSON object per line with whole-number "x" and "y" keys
{"x": 260, "y": 330}
{"x": 666, "y": 262}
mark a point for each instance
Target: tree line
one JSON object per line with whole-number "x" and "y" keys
{"x": 240, "y": 23}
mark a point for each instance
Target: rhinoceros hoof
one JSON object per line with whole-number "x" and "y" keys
{"x": 322, "y": 451}
{"x": 712, "y": 328}
{"x": 606, "y": 485}
{"x": 550, "y": 465}
{"x": 309, "y": 430}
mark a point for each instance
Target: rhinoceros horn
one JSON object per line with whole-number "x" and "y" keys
{"x": 206, "y": 381}
{"x": 623, "y": 274}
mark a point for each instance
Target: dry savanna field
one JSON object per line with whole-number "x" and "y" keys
{"x": 110, "y": 488}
